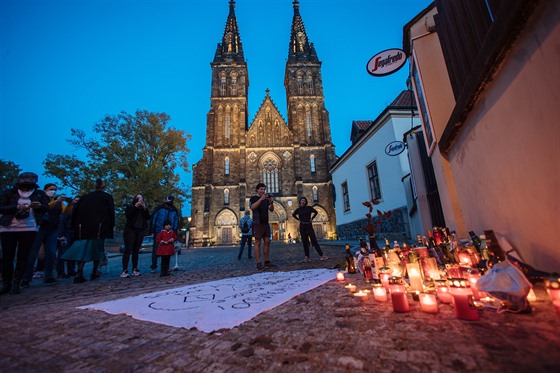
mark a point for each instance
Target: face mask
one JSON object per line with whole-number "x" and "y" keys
{"x": 25, "y": 193}
{"x": 50, "y": 193}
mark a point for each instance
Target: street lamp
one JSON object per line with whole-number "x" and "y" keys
{"x": 187, "y": 236}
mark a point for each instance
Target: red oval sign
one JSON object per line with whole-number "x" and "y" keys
{"x": 386, "y": 62}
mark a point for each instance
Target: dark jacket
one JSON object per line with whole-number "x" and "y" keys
{"x": 65, "y": 225}
{"x": 51, "y": 220}
{"x": 136, "y": 217}
{"x": 94, "y": 216}
{"x": 163, "y": 213}
{"x": 8, "y": 205}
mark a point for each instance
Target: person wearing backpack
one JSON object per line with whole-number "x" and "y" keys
{"x": 246, "y": 225}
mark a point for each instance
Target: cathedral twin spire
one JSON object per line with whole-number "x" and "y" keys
{"x": 231, "y": 49}
{"x": 301, "y": 50}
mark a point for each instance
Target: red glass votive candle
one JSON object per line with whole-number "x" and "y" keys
{"x": 379, "y": 293}
{"x": 442, "y": 291}
{"x": 552, "y": 285}
{"x": 428, "y": 303}
{"x": 453, "y": 270}
{"x": 398, "y": 295}
{"x": 463, "y": 301}
{"x": 556, "y": 305}
{"x": 422, "y": 251}
{"x": 464, "y": 258}
{"x": 473, "y": 277}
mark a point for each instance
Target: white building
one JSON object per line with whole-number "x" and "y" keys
{"x": 365, "y": 172}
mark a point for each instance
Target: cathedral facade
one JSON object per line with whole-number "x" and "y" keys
{"x": 292, "y": 158}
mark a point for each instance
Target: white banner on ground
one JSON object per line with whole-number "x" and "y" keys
{"x": 221, "y": 304}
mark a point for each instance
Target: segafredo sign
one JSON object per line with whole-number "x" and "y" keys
{"x": 394, "y": 148}
{"x": 386, "y": 62}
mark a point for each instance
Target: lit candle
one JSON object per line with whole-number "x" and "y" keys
{"x": 442, "y": 291}
{"x": 433, "y": 269}
{"x": 489, "y": 302}
{"x": 531, "y": 297}
{"x": 379, "y": 293}
{"x": 465, "y": 258}
{"x": 414, "y": 276}
{"x": 351, "y": 288}
{"x": 474, "y": 276}
{"x": 361, "y": 295}
{"x": 552, "y": 285}
{"x": 398, "y": 295}
{"x": 428, "y": 303}
{"x": 340, "y": 276}
{"x": 453, "y": 270}
{"x": 384, "y": 275}
{"x": 463, "y": 299}
{"x": 422, "y": 251}
{"x": 556, "y": 305}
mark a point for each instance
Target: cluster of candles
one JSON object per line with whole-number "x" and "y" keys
{"x": 460, "y": 292}
{"x": 428, "y": 286}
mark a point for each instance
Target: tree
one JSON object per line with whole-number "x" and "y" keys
{"x": 133, "y": 153}
{"x": 9, "y": 172}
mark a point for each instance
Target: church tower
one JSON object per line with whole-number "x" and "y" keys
{"x": 291, "y": 158}
{"x": 307, "y": 116}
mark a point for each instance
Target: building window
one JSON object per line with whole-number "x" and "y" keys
{"x": 228, "y": 126}
{"x": 315, "y": 194}
{"x": 309, "y": 125}
{"x": 223, "y": 86}
{"x": 312, "y": 161}
{"x": 309, "y": 83}
{"x": 234, "y": 84}
{"x": 429, "y": 134}
{"x": 373, "y": 181}
{"x": 226, "y": 196}
{"x": 345, "y": 196}
{"x": 270, "y": 175}
{"x": 226, "y": 166}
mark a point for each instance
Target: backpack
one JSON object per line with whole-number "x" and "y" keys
{"x": 245, "y": 228}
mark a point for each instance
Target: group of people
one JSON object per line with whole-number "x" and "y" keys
{"x": 72, "y": 232}
{"x": 259, "y": 228}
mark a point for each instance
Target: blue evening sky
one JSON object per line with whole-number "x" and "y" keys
{"x": 67, "y": 63}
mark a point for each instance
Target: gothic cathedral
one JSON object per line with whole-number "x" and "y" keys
{"x": 292, "y": 159}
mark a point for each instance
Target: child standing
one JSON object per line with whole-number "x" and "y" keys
{"x": 165, "y": 240}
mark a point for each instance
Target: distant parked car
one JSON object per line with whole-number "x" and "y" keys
{"x": 147, "y": 245}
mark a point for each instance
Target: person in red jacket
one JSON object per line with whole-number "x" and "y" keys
{"x": 166, "y": 239}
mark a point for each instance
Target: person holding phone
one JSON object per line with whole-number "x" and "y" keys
{"x": 261, "y": 204}
{"x": 21, "y": 208}
{"x": 137, "y": 218}
{"x": 47, "y": 237}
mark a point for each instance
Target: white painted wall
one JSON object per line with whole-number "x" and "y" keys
{"x": 352, "y": 168}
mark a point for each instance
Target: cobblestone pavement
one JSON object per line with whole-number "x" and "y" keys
{"x": 322, "y": 330}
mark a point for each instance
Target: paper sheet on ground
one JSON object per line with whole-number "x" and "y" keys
{"x": 218, "y": 304}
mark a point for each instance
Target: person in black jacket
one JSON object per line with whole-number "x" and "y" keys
{"x": 137, "y": 218}
{"x": 21, "y": 207}
{"x": 93, "y": 220}
{"x": 305, "y": 214}
{"x": 47, "y": 237}
{"x": 65, "y": 237}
